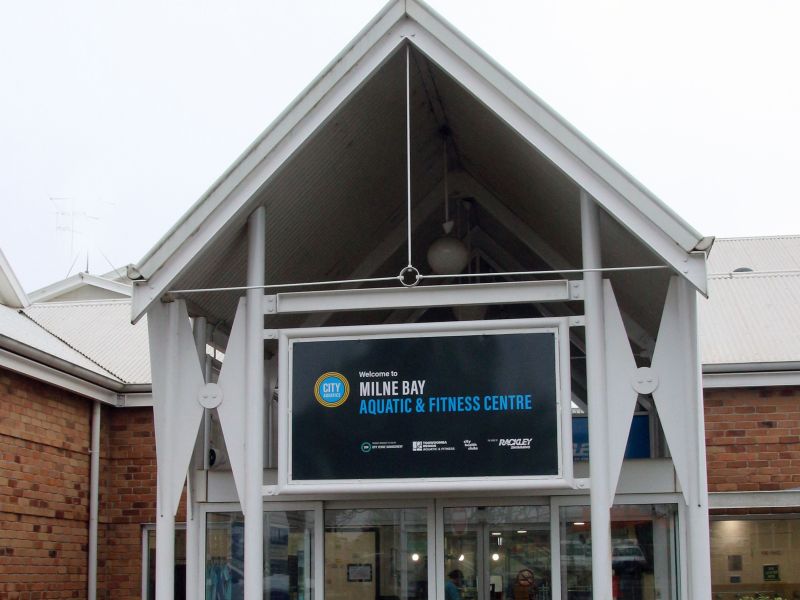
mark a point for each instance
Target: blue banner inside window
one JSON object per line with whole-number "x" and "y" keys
{"x": 638, "y": 440}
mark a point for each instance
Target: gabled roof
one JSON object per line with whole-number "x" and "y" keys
{"x": 227, "y": 203}
{"x": 82, "y": 286}
{"x": 11, "y": 292}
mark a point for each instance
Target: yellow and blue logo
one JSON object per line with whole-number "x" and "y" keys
{"x": 331, "y": 389}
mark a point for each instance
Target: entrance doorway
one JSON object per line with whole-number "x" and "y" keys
{"x": 497, "y": 553}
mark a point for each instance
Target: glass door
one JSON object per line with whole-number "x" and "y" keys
{"x": 497, "y": 553}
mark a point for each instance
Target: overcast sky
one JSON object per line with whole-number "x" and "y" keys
{"x": 116, "y": 116}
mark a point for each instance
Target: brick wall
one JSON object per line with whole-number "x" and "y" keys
{"x": 128, "y": 499}
{"x": 44, "y": 489}
{"x": 753, "y": 439}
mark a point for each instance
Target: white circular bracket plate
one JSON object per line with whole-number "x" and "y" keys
{"x": 210, "y": 396}
{"x": 644, "y": 380}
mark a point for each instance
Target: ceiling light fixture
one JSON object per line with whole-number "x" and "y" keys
{"x": 447, "y": 255}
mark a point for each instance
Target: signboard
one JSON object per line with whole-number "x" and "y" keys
{"x": 772, "y": 573}
{"x": 638, "y": 445}
{"x": 433, "y": 405}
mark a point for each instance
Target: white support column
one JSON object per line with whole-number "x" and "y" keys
{"x": 193, "y": 521}
{"x": 94, "y": 494}
{"x": 697, "y": 526}
{"x": 165, "y": 513}
{"x": 598, "y": 415}
{"x": 254, "y": 395}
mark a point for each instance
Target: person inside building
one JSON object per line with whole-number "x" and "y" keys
{"x": 452, "y": 588}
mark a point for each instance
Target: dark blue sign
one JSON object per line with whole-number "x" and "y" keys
{"x": 638, "y": 440}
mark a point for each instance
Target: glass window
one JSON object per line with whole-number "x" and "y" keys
{"x": 755, "y": 556}
{"x": 376, "y": 554}
{"x": 180, "y": 563}
{"x": 497, "y": 552}
{"x": 288, "y": 560}
{"x": 642, "y": 551}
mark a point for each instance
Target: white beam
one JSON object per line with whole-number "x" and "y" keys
{"x": 254, "y": 411}
{"x": 751, "y": 379}
{"x": 598, "y": 417}
{"x": 426, "y": 296}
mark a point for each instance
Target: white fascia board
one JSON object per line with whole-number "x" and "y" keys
{"x": 751, "y": 379}
{"x": 11, "y": 292}
{"x": 559, "y": 143}
{"x": 227, "y": 199}
{"x": 774, "y": 499}
{"x": 583, "y": 149}
{"x": 40, "y": 372}
{"x": 54, "y": 290}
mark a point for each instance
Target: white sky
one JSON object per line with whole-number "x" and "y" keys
{"x": 116, "y": 116}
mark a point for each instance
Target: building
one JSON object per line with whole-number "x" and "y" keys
{"x": 321, "y": 199}
{"x": 750, "y": 350}
{"x": 421, "y": 269}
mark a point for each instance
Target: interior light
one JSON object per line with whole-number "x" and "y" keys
{"x": 415, "y": 557}
{"x": 460, "y": 558}
{"x": 522, "y": 531}
{"x": 495, "y": 556}
{"x": 579, "y": 523}
{"x": 496, "y": 533}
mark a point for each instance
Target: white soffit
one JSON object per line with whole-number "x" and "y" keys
{"x": 225, "y": 206}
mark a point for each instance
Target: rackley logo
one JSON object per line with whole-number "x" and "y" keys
{"x": 331, "y": 389}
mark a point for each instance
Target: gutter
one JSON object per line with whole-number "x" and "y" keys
{"x": 26, "y": 359}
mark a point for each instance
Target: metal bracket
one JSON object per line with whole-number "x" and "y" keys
{"x": 271, "y": 334}
{"x": 577, "y": 321}
{"x": 576, "y": 290}
{"x": 210, "y": 396}
{"x": 270, "y": 304}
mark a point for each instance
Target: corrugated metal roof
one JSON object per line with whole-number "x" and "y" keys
{"x": 752, "y": 317}
{"x": 760, "y": 254}
{"x": 100, "y": 330}
{"x": 19, "y": 327}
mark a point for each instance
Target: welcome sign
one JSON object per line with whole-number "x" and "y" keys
{"x": 436, "y": 405}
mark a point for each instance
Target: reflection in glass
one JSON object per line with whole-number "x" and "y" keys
{"x": 642, "y": 555}
{"x": 288, "y": 562}
{"x": 755, "y": 556}
{"x": 376, "y": 553}
{"x": 497, "y": 553}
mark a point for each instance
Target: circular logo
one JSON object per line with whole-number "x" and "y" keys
{"x": 331, "y": 389}
{"x": 366, "y": 447}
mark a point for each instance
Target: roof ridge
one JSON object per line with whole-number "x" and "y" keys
{"x": 86, "y": 356}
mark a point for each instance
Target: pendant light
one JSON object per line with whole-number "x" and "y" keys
{"x": 447, "y": 255}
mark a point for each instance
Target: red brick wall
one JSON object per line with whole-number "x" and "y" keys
{"x": 128, "y": 499}
{"x": 44, "y": 489}
{"x": 753, "y": 439}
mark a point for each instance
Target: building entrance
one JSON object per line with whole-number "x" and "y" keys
{"x": 497, "y": 553}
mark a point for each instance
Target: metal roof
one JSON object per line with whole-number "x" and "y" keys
{"x": 752, "y": 317}
{"x": 768, "y": 253}
{"x": 100, "y": 330}
{"x": 330, "y": 172}
{"x": 16, "y": 326}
